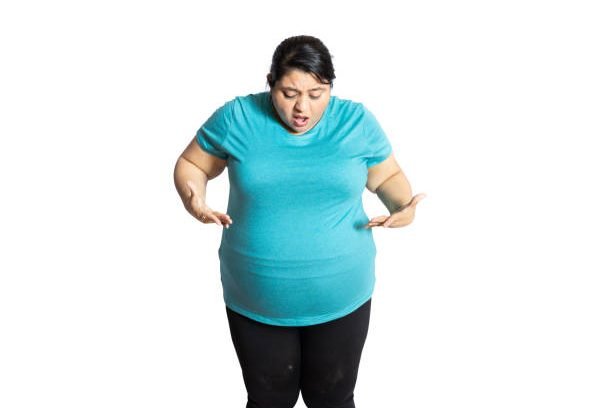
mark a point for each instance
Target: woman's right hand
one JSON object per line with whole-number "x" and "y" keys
{"x": 196, "y": 206}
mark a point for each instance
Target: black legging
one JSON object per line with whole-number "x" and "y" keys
{"x": 321, "y": 360}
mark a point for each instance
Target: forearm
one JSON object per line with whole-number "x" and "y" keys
{"x": 395, "y": 192}
{"x": 185, "y": 171}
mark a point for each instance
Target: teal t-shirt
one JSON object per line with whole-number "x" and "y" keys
{"x": 297, "y": 252}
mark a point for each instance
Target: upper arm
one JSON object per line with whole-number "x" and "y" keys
{"x": 380, "y": 172}
{"x": 210, "y": 164}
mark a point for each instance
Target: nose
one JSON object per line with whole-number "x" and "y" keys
{"x": 298, "y": 105}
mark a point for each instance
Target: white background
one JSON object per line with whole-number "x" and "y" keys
{"x": 498, "y": 294}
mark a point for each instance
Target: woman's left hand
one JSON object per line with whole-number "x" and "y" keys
{"x": 400, "y": 218}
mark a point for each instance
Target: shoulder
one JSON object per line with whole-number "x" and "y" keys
{"x": 251, "y": 100}
{"x": 243, "y": 101}
{"x": 358, "y": 116}
{"x": 346, "y": 108}
{"x": 251, "y": 105}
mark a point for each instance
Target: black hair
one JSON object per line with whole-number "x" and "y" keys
{"x": 305, "y": 53}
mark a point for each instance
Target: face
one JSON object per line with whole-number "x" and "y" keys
{"x": 299, "y": 100}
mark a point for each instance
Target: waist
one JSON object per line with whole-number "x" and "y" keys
{"x": 295, "y": 244}
{"x": 306, "y": 265}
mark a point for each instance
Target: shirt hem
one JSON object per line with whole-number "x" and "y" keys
{"x": 303, "y": 321}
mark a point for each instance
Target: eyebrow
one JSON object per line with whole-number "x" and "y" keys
{"x": 288, "y": 88}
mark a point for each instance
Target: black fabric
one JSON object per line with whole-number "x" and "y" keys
{"x": 321, "y": 360}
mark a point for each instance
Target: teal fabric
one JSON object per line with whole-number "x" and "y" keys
{"x": 297, "y": 253}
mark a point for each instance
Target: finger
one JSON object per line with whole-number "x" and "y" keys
{"x": 214, "y": 218}
{"x": 374, "y": 223}
{"x": 389, "y": 221}
{"x": 225, "y": 219}
{"x": 203, "y": 216}
{"x": 379, "y": 218}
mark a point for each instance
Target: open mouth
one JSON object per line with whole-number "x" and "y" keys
{"x": 300, "y": 121}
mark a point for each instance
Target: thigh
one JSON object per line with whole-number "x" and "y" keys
{"x": 270, "y": 360}
{"x": 331, "y": 353}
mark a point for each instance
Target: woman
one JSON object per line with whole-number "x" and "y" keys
{"x": 297, "y": 264}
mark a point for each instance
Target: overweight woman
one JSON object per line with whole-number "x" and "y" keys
{"x": 297, "y": 252}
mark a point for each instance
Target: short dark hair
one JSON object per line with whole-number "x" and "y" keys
{"x": 303, "y": 52}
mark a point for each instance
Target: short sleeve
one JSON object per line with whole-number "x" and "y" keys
{"x": 378, "y": 147}
{"x": 213, "y": 133}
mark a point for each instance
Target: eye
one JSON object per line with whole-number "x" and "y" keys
{"x": 315, "y": 97}
{"x": 289, "y": 96}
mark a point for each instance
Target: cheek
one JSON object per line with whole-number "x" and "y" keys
{"x": 320, "y": 109}
{"x": 285, "y": 106}
{"x": 282, "y": 107}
